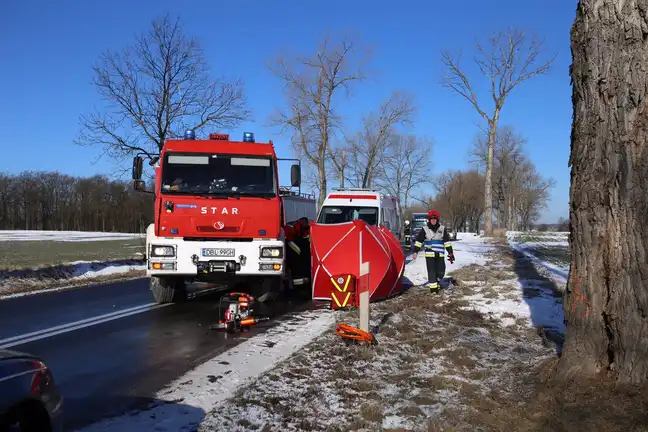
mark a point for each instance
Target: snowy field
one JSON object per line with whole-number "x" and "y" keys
{"x": 549, "y": 251}
{"x": 65, "y": 236}
{"x": 33, "y": 261}
{"x": 464, "y": 357}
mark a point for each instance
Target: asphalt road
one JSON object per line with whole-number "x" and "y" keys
{"x": 109, "y": 365}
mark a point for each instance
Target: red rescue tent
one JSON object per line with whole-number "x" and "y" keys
{"x": 340, "y": 248}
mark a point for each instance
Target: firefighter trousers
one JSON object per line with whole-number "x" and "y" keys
{"x": 436, "y": 268}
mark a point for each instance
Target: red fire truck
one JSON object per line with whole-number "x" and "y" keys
{"x": 219, "y": 214}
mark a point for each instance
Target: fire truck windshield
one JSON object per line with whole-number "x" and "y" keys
{"x": 217, "y": 174}
{"x": 334, "y": 215}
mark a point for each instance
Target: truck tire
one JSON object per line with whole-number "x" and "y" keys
{"x": 168, "y": 289}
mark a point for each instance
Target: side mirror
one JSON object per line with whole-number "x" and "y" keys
{"x": 139, "y": 185}
{"x": 137, "y": 167}
{"x": 295, "y": 175}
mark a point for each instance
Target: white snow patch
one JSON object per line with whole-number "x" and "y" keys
{"x": 88, "y": 269}
{"x": 73, "y": 273}
{"x": 528, "y": 299}
{"x": 409, "y": 378}
{"x": 186, "y": 400}
{"x": 557, "y": 272}
{"x": 66, "y": 236}
{"x": 469, "y": 249}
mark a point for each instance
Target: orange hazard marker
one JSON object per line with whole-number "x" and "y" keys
{"x": 354, "y": 334}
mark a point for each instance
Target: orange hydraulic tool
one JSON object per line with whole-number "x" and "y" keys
{"x": 354, "y": 334}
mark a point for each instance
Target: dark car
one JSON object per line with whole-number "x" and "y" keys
{"x": 29, "y": 400}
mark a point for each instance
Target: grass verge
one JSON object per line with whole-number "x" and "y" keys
{"x": 31, "y": 266}
{"x": 441, "y": 364}
{"x": 17, "y": 255}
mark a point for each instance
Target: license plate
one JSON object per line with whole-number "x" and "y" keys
{"x": 217, "y": 252}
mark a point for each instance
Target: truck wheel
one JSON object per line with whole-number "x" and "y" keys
{"x": 268, "y": 288}
{"x": 168, "y": 289}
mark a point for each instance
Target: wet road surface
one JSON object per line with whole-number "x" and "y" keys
{"x": 109, "y": 368}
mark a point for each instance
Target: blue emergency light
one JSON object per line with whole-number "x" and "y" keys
{"x": 248, "y": 137}
{"x": 190, "y": 134}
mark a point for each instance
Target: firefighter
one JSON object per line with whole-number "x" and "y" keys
{"x": 435, "y": 240}
{"x": 298, "y": 253}
{"x": 407, "y": 231}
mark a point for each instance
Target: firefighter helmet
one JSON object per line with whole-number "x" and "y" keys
{"x": 433, "y": 214}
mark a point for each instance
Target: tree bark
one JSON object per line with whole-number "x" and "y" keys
{"x": 488, "y": 184}
{"x": 323, "y": 184}
{"x": 606, "y": 303}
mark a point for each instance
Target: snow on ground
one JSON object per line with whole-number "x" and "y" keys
{"x": 29, "y": 282}
{"x": 460, "y": 358}
{"x": 441, "y": 361}
{"x": 67, "y": 236}
{"x": 547, "y": 250}
{"x": 469, "y": 249}
{"x": 182, "y": 405}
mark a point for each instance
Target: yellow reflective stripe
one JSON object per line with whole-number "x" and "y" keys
{"x": 418, "y": 244}
{"x": 336, "y": 300}
{"x": 294, "y": 247}
{"x": 447, "y": 245}
{"x": 342, "y": 290}
{"x": 434, "y": 254}
{"x": 346, "y": 284}
{"x": 346, "y": 299}
{"x": 336, "y": 285}
{"x": 300, "y": 281}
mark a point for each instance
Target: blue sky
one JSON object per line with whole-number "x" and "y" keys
{"x": 49, "y": 48}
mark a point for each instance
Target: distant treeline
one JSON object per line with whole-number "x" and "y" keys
{"x": 37, "y": 200}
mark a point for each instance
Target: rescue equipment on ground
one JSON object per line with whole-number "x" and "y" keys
{"x": 352, "y": 334}
{"x": 238, "y": 313}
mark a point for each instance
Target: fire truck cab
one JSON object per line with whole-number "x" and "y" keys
{"x": 219, "y": 214}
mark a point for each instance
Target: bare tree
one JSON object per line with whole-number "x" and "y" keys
{"x": 405, "y": 168}
{"x": 312, "y": 85}
{"x": 531, "y": 195}
{"x": 55, "y": 201}
{"x": 154, "y": 90}
{"x": 367, "y": 150}
{"x": 508, "y": 154}
{"x": 458, "y": 198}
{"x": 341, "y": 156}
{"x": 519, "y": 191}
{"x": 607, "y": 292}
{"x": 508, "y": 60}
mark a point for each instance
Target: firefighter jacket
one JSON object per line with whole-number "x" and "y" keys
{"x": 435, "y": 240}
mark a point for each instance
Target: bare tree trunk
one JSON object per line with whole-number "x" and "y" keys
{"x": 607, "y": 297}
{"x": 321, "y": 169}
{"x": 488, "y": 186}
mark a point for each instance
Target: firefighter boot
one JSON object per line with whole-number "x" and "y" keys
{"x": 434, "y": 287}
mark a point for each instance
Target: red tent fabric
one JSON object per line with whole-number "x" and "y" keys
{"x": 340, "y": 248}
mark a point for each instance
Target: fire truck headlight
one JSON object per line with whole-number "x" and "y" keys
{"x": 162, "y": 251}
{"x": 272, "y": 252}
